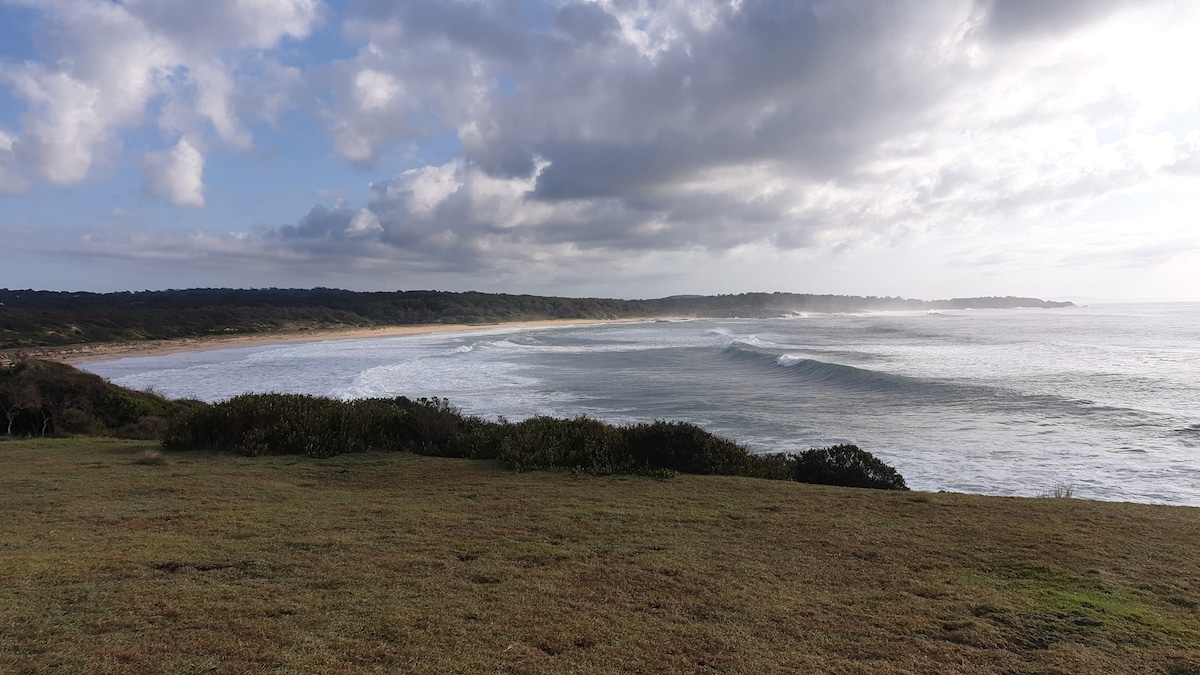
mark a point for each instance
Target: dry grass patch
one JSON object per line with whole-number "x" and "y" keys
{"x": 397, "y": 563}
{"x": 150, "y": 457}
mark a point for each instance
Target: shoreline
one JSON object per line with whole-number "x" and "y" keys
{"x": 76, "y": 355}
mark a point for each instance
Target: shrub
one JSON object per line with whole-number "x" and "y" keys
{"x": 432, "y": 422}
{"x": 76, "y": 421}
{"x": 293, "y": 424}
{"x": 581, "y": 443}
{"x": 45, "y": 397}
{"x": 478, "y": 439}
{"x": 280, "y": 424}
{"x": 846, "y": 465}
{"x": 772, "y": 466}
{"x": 684, "y": 447}
{"x": 145, "y": 428}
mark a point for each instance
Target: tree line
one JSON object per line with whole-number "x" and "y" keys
{"x": 36, "y": 319}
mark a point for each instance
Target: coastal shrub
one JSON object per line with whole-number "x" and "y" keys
{"x": 769, "y": 465}
{"x": 431, "y": 422}
{"x": 477, "y": 438}
{"x": 581, "y": 443}
{"x": 845, "y": 465}
{"x": 683, "y": 447}
{"x": 293, "y": 424}
{"x": 41, "y": 398}
{"x": 145, "y": 428}
{"x": 281, "y": 424}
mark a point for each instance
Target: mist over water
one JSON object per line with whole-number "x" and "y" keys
{"x": 1105, "y": 399}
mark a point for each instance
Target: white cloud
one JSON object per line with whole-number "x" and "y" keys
{"x": 214, "y": 25}
{"x": 111, "y": 67}
{"x": 118, "y": 63}
{"x": 374, "y": 90}
{"x": 10, "y": 184}
{"x": 364, "y": 223}
{"x": 63, "y": 131}
{"x": 176, "y": 175}
{"x": 424, "y": 189}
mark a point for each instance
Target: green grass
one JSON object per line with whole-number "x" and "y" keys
{"x": 396, "y": 563}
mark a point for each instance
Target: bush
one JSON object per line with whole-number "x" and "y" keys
{"x": 683, "y": 447}
{"x": 431, "y": 423}
{"x": 42, "y": 398}
{"x": 846, "y": 465}
{"x": 581, "y": 443}
{"x": 771, "y": 466}
{"x": 294, "y": 424}
{"x": 281, "y": 424}
{"x": 145, "y": 428}
{"x": 478, "y": 439}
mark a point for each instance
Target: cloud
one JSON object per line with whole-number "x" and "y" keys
{"x": 1008, "y": 19}
{"x": 177, "y": 175}
{"x": 114, "y": 66}
{"x": 664, "y": 131}
{"x": 9, "y": 184}
{"x": 425, "y": 188}
{"x": 674, "y": 125}
{"x": 374, "y": 90}
{"x": 201, "y": 28}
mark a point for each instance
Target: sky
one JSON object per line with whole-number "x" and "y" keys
{"x": 616, "y": 148}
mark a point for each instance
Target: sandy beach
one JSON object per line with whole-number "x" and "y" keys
{"x": 89, "y": 353}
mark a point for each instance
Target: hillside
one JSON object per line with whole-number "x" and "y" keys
{"x": 200, "y": 562}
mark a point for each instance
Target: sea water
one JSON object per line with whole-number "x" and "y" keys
{"x": 1101, "y": 400}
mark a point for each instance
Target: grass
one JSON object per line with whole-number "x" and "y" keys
{"x": 150, "y": 457}
{"x": 213, "y": 563}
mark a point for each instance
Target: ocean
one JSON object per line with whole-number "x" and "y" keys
{"x": 1100, "y": 400}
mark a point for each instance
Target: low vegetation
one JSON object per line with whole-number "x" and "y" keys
{"x": 298, "y": 424}
{"x": 43, "y": 398}
{"x": 845, "y": 465}
{"x": 204, "y": 562}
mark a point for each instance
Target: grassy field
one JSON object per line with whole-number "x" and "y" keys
{"x": 396, "y": 563}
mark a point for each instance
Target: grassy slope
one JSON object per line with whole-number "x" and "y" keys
{"x": 400, "y": 563}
